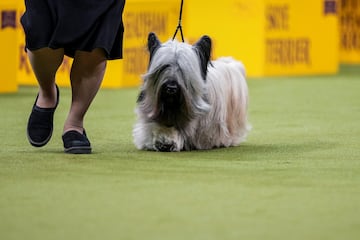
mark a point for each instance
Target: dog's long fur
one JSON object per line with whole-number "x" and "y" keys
{"x": 188, "y": 102}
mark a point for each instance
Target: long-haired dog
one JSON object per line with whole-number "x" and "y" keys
{"x": 188, "y": 102}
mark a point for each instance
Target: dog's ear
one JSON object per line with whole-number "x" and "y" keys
{"x": 153, "y": 44}
{"x": 203, "y": 49}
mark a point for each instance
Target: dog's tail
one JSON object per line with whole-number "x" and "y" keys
{"x": 230, "y": 60}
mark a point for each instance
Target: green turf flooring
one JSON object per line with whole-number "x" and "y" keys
{"x": 296, "y": 177}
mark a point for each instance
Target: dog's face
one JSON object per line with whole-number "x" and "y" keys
{"x": 173, "y": 91}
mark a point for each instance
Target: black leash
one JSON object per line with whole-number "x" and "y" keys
{"x": 179, "y": 27}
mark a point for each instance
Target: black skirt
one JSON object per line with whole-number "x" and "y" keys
{"x": 75, "y": 25}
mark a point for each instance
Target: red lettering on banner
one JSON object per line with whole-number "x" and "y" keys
{"x": 277, "y": 17}
{"x": 350, "y": 40}
{"x": 350, "y": 25}
{"x": 138, "y": 25}
{"x": 288, "y": 51}
{"x": 23, "y": 60}
{"x": 136, "y": 62}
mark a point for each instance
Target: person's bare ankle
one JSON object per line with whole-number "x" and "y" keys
{"x": 73, "y": 128}
{"x": 47, "y": 100}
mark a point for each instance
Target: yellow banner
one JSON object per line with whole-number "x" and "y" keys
{"x": 301, "y": 37}
{"x": 271, "y": 37}
{"x": 140, "y": 18}
{"x": 8, "y": 47}
{"x": 350, "y": 31}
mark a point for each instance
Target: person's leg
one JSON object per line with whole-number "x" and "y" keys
{"x": 86, "y": 75}
{"x": 45, "y": 63}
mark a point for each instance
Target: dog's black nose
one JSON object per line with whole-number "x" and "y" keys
{"x": 171, "y": 88}
{"x": 163, "y": 147}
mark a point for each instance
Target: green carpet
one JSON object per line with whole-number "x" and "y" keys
{"x": 296, "y": 177}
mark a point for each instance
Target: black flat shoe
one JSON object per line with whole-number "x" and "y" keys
{"x": 40, "y": 124}
{"x": 76, "y": 143}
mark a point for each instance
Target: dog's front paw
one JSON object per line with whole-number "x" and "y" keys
{"x": 165, "y": 146}
{"x": 167, "y": 140}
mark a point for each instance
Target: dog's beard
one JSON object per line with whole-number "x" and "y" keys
{"x": 171, "y": 102}
{"x": 169, "y": 106}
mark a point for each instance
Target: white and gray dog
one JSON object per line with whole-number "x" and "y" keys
{"x": 188, "y": 102}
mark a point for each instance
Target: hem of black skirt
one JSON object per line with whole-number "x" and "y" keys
{"x": 68, "y": 54}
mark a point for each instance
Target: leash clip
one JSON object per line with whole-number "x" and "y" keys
{"x": 179, "y": 27}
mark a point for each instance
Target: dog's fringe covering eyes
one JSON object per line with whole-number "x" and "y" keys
{"x": 157, "y": 73}
{"x": 177, "y": 110}
{"x": 155, "y": 77}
